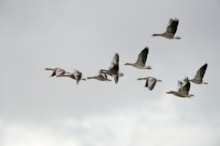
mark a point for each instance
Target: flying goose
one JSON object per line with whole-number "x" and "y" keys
{"x": 150, "y": 82}
{"x": 100, "y": 77}
{"x": 58, "y": 72}
{"x": 183, "y": 90}
{"x": 171, "y": 30}
{"x": 198, "y": 78}
{"x": 76, "y": 75}
{"x": 141, "y": 60}
{"x": 113, "y": 69}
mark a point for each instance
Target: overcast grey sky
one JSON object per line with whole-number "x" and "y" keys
{"x": 37, "y": 110}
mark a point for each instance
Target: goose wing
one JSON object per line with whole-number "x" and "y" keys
{"x": 58, "y": 72}
{"x": 142, "y": 56}
{"x": 150, "y": 83}
{"x": 172, "y": 26}
{"x": 115, "y": 63}
{"x": 53, "y": 73}
{"x": 104, "y": 76}
{"x": 77, "y": 75}
{"x": 116, "y": 78}
{"x": 185, "y": 86}
{"x": 201, "y": 72}
{"x": 101, "y": 77}
{"x": 180, "y": 84}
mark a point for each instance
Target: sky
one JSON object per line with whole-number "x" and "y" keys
{"x": 39, "y": 110}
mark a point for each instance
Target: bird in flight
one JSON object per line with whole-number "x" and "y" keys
{"x": 141, "y": 60}
{"x": 171, "y": 30}
{"x": 150, "y": 82}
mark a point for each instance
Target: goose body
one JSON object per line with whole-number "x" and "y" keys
{"x": 198, "y": 78}
{"x": 183, "y": 90}
{"x": 150, "y": 82}
{"x": 141, "y": 60}
{"x": 58, "y": 72}
{"x": 113, "y": 69}
{"x": 100, "y": 77}
{"x": 171, "y": 30}
{"x": 76, "y": 75}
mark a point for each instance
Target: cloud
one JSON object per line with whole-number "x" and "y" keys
{"x": 154, "y": 125}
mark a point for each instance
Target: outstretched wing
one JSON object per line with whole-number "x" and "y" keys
{"x": 115, "y": 63}
{"x": 77, "y": 75}
{"x": 150, "y": 83}
{"x": 116, "y": 78}
{"x": 172, "y": 26}
{"x": 185, "y": 86}
{"x": 201, "y": 72}
{"x": 180, "y": 84}
{"x": 53, "y": 73}
{"x": 142, "y": 56}
{"x": 59, "y": 72}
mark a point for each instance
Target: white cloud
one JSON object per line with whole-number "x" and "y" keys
{"x": 33, "y": 135}
{"x": 154, "y": 125}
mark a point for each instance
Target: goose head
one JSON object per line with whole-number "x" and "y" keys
{"x": 129, "y": 64}
{"x": 155, "y": 34}
{"x": 171, "y": 92}
{"x": 158, "y": 80}
{"x": 177, "y": 37}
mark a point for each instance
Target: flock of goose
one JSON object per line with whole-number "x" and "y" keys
{"x": 113, "y": 70}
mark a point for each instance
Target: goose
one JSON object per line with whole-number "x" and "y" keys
{"x": 100, "y": 77}
{"x": 141, "y": 60}
{"x": 171, "y": 30}
{"x": 58, "y": 72}
{"x": 76, "y": 75}
{"x": 113, "y": 69}
{"x": 150, "y": 82}
{"x": 183, "y": 90}
{"x": 198, "y": 78}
